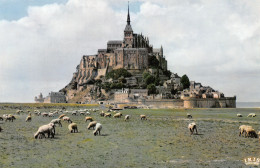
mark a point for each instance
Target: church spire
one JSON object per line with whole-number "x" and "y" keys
{"x": 128, "y": 16}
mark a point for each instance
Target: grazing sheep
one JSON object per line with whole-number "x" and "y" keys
{"x": 127, "y": 117}
{"x": 88, "y": 118}
{"x": 18, "y": 112}
{"x": 242, "y": 129}
{"x": 43, "y": 130}
{"x": 239, "y": 115}
{"x": 61, "y": 116}
{"x": 10, "y": 118}
{"x": 251, "y": 115}
{"x": 56, "y": 121}
{"x": 107, "y": 115}
{"x": 67, "y": 119}
{"x": 74, "y": 113}
{"x": 98, "y": 129}
{"x": 92, "y": 124}
{"x": 73, "y": 127}
{"x": 189, "y": 115}
{"x": 88, "y": 113}
{"x": 28, "y": 118}
{"x": 82, "y": 113}
{"x": 1, "y": 118}
{"x": 250, "y": 132}
{"x": 45, "y": 114}
{"x": 102, "y": 114}
{"x": 143, "y": 117}
{"x": 118, "y": 115}
{"x": 51, "y": 114}
{"x": 192, "y": 127}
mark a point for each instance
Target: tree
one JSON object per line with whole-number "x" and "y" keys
{"x": 117, "y": 73}
{"x": 150, "y": 79}
{"x": 151, "y": 89}
{"x": 153, "y": 62}
{"x": 174, "y": 91}
{"x": 185, "y": 81}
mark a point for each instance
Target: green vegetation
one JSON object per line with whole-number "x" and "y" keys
{"x": 185, "y": 81}
{"x": 151, "y": 89}
{"x": 153, "y": 62}
{"x": 117, "y": 73}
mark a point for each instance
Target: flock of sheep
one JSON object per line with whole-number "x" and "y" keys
{"x": 49, "y": 129}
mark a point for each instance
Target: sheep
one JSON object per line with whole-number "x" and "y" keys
{"x": 45, "y": 114}
{"x": 250, "y": 132}
{"x": 192, "y": 127}
{"x": 82, "y": 113}
{"x": 251, "y": 115}
{"x": 74, "y": 113}
{"x": 56, "y": 121}
{"x": 10, "y": 118}
{"x": 143, "y": 117}
{"x": 92, "y": 124}
{"x": 43, "y": 130}
{"x": 98, "y": 129}
{"x": 28, "y": 118}
{"x": 239, "y": 115}
{"x": 242, "y": 129}
{"x": 18, "y": 112}
{"x": 118, "y": 115}
{"x": 61, "y": 116}
{"x": 189, "y": 115}
{"x": 67, "y": 119}
{"x": 88, "y": 113}
{"x": 88, "y": 118}
{"x": 127, "y": 117}
{"x": 51, "y": 114}
{"x": 73, "y": 127}
{"x": 102, "y": 114}
{"x": 107, "y": 115}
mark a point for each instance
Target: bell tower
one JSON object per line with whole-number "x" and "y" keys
{"x": 128, "y": 33}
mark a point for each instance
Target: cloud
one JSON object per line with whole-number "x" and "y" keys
{"x": 213, "y": 42}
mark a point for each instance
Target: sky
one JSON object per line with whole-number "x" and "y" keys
{"x": 214, "y": 42}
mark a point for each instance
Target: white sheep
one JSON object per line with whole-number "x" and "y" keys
{"x": 192, "y": 127}
{"x": 98, "y": 129}
{"x": 73, "y": 127}
{"x": 239, "y": 115}
{"x": 251, "y": 115}
{"x": 143, "y": 117}
{"x": 56, "y": 121}
{"x": 65, "y": 118}
{"x": 45, "y": 114}
{"x": 74, "y": 113}
{"x": 45, "y": 129}
{"x": 127, "y": 117}
{"x": 51, "y": 114}
{"x": 28, "y": 118}
{"x": 92, "y": 124}
{"x": 189, "y": 115}
{"x": 87, "y": 113}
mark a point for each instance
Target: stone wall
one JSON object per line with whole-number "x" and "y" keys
{"x": 227, "y": 102}
{"x": 163, "y": 103}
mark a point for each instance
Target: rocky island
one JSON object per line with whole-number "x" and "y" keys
{"x": 131, "y": 71}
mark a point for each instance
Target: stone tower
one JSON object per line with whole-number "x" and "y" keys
{"x": 128, "y": 33}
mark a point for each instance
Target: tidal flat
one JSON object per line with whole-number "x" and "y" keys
{"x": 161, "y": 141}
